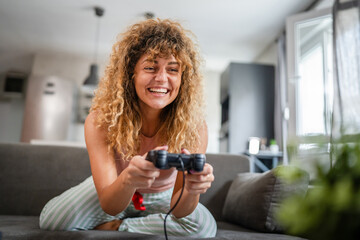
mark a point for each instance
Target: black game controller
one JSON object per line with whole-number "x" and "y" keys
{"x": 164, "y": 160}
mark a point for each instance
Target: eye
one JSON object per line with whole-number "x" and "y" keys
{"x": 174, "y": 70}
{"x": 149, "y": 69}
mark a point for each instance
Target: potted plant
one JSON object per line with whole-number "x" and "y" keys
{"x": 331, "y": 210}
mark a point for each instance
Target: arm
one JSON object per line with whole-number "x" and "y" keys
{"x": 195, "y": 183}
{"x": 114, "y": 192}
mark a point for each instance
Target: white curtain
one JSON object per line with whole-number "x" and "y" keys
{"x": 280, "y": 98}
{"x": 346, "y": 29}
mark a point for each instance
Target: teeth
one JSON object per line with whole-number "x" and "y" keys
{"x": 158, "y": 90}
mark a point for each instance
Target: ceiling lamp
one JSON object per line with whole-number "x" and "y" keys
{"x": 149, "y": 15}
{"x": 93, "y": 77}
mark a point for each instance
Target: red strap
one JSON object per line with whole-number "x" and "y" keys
{"x": 138, "y": 200}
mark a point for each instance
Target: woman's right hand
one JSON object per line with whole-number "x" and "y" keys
{"x": 141, "y": 173}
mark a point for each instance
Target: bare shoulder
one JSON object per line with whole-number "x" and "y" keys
{"x": 90, "y": 121}
{"x": 93, "y": 133}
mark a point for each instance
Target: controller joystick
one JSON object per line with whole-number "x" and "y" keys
{"x": 164, "y": 160}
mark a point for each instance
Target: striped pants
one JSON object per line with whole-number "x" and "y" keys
{"x": 79, "y": 209}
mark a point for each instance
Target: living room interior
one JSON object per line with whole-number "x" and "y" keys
{"x": 281, "y": 85}
{"x": 38, "y": 42}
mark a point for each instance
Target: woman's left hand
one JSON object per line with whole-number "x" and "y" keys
{"x": 199, "y": 182}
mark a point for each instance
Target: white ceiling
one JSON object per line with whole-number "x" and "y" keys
{"x": 227, "y": 30}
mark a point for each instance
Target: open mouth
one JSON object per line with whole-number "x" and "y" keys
{"x": 159, "y": 90}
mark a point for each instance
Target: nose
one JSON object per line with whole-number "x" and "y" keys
{"x": 161, "y": 75}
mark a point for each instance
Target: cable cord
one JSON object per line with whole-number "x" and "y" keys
{"x": 178, "y": 200}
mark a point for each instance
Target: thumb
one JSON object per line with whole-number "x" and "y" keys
{"x": 185, "y": 151}
{"x": 165, "y": 148}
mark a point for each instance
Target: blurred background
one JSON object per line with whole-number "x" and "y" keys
{"x": 47, "y": 49}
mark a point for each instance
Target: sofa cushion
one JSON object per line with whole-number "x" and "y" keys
{"x": 27, "y": 227}
{"x": 226, "y": 167}
{"x": 254, "y": 197}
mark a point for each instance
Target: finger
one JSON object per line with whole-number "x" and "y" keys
{"x": 165, "y": 147}
{"x": 208, "y": 169}
{"x": 200, "y": 178}
{"x": 185, "y": 151}
{"x": 142, "y": 164}
{"x": 143, "y": 182}
{"x": 150, "y": 173}
{"x": 149, "y": 166}
{"x": 148, "y": 181}
{"x": 198, "y": 188}
{"x": 145, "y": 174}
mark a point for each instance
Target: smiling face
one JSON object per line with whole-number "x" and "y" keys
{"x": 157, "y": 81}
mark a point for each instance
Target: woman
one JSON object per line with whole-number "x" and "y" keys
{"x": 149, "y": 99}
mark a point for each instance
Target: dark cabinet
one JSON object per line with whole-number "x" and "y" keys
{"x": 247, "y": 105}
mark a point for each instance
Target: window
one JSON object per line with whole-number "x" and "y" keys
{"x": 310, "y": 73}
{"x": 314, "y": 93}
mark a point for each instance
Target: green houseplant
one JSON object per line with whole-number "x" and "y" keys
{"x": 331, "y": 210}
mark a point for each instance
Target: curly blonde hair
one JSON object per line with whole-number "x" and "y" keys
{"x": 116, "y": 102}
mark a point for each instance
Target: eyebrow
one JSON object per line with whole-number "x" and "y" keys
{"x": 170, "y": 63}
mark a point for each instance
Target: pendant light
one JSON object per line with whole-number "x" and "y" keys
{"x": 93, "y": 77}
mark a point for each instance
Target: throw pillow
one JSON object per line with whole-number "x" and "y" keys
{"x": 254, "y": 197}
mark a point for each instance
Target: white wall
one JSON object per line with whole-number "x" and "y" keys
{"x": 70, "y": 67}
{"x": 213, "y": 108}
{"x": 11, "y": 109}
{"x": 269, "y": 56}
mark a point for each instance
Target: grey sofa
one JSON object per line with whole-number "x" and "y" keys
{"x": 30, "y": 175}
